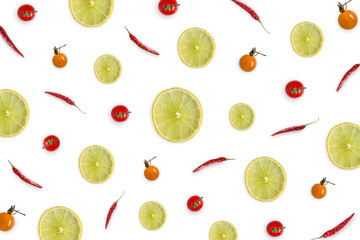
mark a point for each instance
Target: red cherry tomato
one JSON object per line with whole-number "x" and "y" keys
{"x": 294, "y": 89}
{"x": 195, "y": 203}
{"x": 26, "y": 12}
{"x": 51, "y": 143}
{"x": 275, "y": 228}
{"x": 168, "y": 7}
{"x": 120, "y": 113}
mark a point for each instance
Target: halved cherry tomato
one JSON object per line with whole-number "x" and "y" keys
{"x": 294, "y": 89}
{"x": 51, "y": 143}
{"x": 59, "y": 59}
{"x": 195, "y": 203}
{"x": 120, "y": 113}
{"x": 168, "y": 7}
{"x": 151, "y": 172}
{"x": 275, "y": 228}
{"x": 26, "y": 12}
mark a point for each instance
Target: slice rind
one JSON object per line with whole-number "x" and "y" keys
{"x": 242, "y": 116}
{"x": 343, "y": 146}
{"x": 14, "y": 113}
{"x": 152, "y": 215}
{"x": 96, "y": 164}
{"x": 223, "y": 230}
{"x": 307, "y": 39}
{"x": 60, "y": 223}
{"x": 177, "y": 114}
{"x": 107, "y": 69}
{"x": 91, "y": 13}
{"x": 196, "y": 47}
{"x": 265, "y": 179}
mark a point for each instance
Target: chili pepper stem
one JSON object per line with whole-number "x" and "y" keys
{"x": 120, "y": 197}
{"x": 263, "y": 26}
{"x": 127, "y": 30}
{"x": 317, "y": 238}
{"x": 230, "y": 159}
{"x": 311, "y": 122}
{"x": 11, "y": 163}
{"x": 79, "y": 109}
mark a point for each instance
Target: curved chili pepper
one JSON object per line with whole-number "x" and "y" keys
{"x": 111, "y": 210}
{"x": 294, "y": 128}
{"x": 346, "y": 76}
{"x": 336, "y": 229}
{"x": 8, "y": 41}
{"x": 22, "y": 177}
{"x": 251, "y": 12}
{"x": 140, "y": 44}
{"x": 66, "y": 99}
{"x": 212, "y": 161}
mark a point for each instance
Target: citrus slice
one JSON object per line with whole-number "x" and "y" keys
{"x": 152, "y": 215}
{"x": 343, "y": 146}
{"x": 96, "y": 164}
{"x": 91, "y": 13}
{"x": 176, "y": 114}
{"x": 59, "y": 223}
{"x": 265, "y": 179}
{"x": 242, "y": 116}
{"x": 196, "y": 47}
{"x": 14, "y": 113}
{"x": 307, "y": 39}
{"x": 223, "y": 230}
{"x": 107, "y": 69}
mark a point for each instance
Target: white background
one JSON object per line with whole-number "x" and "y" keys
{"x": 218, "y": 86}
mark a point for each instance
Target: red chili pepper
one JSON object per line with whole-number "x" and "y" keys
{"x": 251, "y": 12}
{"x": 337, "y": 228}
{"x": 64, "y": 98}
{"x": 346, "y": 76}
{"x": 8, "y": 41}
{"x": 293, "y": 128}
{"x": 22, "y": 177}
{"x": 111, "y": 210}
{"x": 140, "y": 44}
{"x": 212, "y": 161}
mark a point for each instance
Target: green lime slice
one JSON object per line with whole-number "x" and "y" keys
{"x": 91, "y": 13}
{"x": 14, "y": 113}
{"x": 343, "y": 146}
{"x": 152, "y": 215}
{"x": 223, "y": 230}
{"x": 196, "y": 47}
{"x": 177, "y": 114}
{"x": 96, "y": 164}
{"x": 59, "y": 223}
{"x": 265, "y": 179}
{"x": 107, "y": 69}
{"x": 242, "y": 116}
{"x": 307, "y": 39}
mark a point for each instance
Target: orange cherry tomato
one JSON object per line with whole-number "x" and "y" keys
{"x": 319, "y": 190}
{"x": 7, "y": 220}
{"x": 151, "y": 172}
{"x": 59, "y": 59}
{"x": 248, "y": 62}
{"x": 347, "y": 18}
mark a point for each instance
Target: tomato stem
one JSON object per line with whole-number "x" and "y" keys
{"x": 343, "y": 7}
{"x": 324, "y": 182}
{"x": 196, "y": 204}
{"x": 50, "y": 142}
{"x": 275, "y": 230}
{"x": 121, "y": 114}
{"x": 169, "y": 7}
{"x": 254, "y": 53}
{"x": 57, "y": 50}
{"x": 311, "y": 122}
{"x": 296, "y": 90}
{"x": 27, "y": 13}
{"x": 12, "y": 210}
{"x": 148, "y": 162}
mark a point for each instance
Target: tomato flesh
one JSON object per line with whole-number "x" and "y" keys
{"x": 275, "y": 228}
{"x": 168, "y": 7}
{"x": 319, "y": 191}
{"x": 195, "y": 203}
{"x": 348, "y": 19}
{"x": 26, "y": 12}
{"x": 51, "y": 143}
{"x": 247, "y": 63}
{"x": 151, "y": 173}
{"x": 7, "y": 221}
{"x": 120, "y": 113}
{"x": 59, "y": 60}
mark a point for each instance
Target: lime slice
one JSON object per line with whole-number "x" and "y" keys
{"x": 196, "y": 47}
{"x": 265, "y": 179}
{"x": 307, "y": 39}
{"x": 107, "y": 69}
{"x": 59, "y": 223}
{"x": 242, "y": 116}
{"x": 91, "y": 13}
{"x": 343, "y": 146}
{"x": 177, "y": 115}
{"x": 152, "y": 215}
{"x": 223, "y": 230}
{"x": 96, "y": 164}
{"x": 14, "y": 113}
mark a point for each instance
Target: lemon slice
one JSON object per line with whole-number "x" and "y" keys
{"x": 343, "y": 146}
{"x": 177, "y": 114}
{"x": 14, "y": 113}
{"x": 307, "y": 39}
{"x": 91, "y": 13}
{"x": 152, "y": 215}
{"x": 59, "y": 223}
{"x": 196, "y": 47}
{"x": 107, "y": 69}
{"x": 242, "y": 116}
{"x": 223, "y": 230}
{"x": 96, "y": 164}
{"x": 265, "y": 179}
